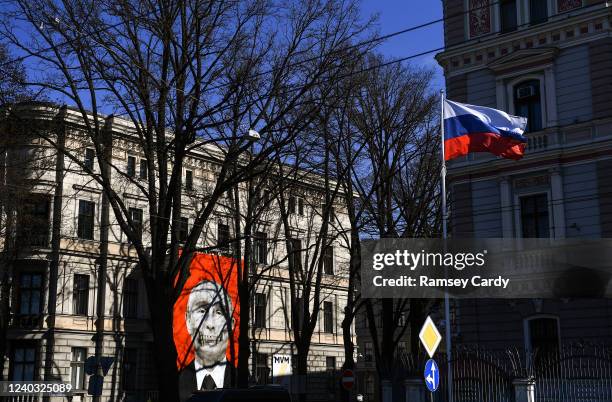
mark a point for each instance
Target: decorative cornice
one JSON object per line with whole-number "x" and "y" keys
{"x": 522, "y": 58}
{"x": 476, "y": 54}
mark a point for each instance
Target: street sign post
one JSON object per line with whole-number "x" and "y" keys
{"x": 348, "y": 379}
{"x": 432, "y": 375}
{"x": 430, "y": 337}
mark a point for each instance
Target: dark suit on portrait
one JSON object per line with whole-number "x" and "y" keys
{"x": 188, "y": 380}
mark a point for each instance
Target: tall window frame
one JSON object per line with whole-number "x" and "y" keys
{"x": 77, "y": 367}
{"x": 328, "y": 260}
{"x": 86, "y": 219}
{"x": 260, "y": 248}
{"x": 328, "y": 317}
{"x": 260, "y": 306}
{"x": 129, "y": 365}
{"x": 130, "y": 298}
{"x": 24, "y": 361}
{"x": 30, "y": 293}
{"x": 89, "y": 157}
{"x": 137, "y": 217}
{"x": 547, "y": 92}
{"x": 80, "y": 294}
{"x": 223, "y": 236}
{"x": 34, "y": 221}
{"x": 528, "y": 101}
{"x": 130, "y": 170}
{"x": 532, "y": 221}
{"x": 508, "y": 15}
{"x": 539, "y": 11}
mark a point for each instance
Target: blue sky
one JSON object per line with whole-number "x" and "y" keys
{"x": 396, "y": 15}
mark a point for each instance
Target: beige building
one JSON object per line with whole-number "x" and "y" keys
{"x": 51, "y": 219}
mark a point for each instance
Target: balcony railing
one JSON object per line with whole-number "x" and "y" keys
{"x": 26, "y": 321}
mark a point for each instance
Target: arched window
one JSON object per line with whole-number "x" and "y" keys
{"x": 528, "y": 103}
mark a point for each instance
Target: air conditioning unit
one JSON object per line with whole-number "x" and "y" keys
{"x": 525, "y": 92}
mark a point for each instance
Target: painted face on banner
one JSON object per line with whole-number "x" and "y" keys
{"x": 207, "y": 313}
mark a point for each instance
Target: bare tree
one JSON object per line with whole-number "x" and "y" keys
{"x": 392, "y": 156}
{"x": 21, "y": 216}
{"x": 191, "y": 76}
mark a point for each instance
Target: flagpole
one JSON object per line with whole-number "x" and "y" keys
{"x": 449, "y": 374}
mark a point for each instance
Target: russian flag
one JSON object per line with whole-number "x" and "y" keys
{"x": 469, "y": 128}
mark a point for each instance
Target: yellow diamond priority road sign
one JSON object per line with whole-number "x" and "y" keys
{"x": 430, "y": 336}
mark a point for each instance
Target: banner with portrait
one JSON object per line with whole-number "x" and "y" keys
{"x": 206, "y": 324}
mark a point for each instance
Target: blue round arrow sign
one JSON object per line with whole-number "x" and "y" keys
{"x": 432, "y": 375}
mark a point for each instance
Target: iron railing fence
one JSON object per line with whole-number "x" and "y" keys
{"x": 575, "y": 372}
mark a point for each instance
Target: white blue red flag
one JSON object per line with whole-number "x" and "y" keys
{"x": 469, "y": 128}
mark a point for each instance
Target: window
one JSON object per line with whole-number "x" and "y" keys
{"x": 183, "y": 229}
{"x": 33, "y": 221}
{"x": 128, "y": 369}
{"x": 328, "y": 317}
{"x": 131, "y": 166}
{"x": 508, "y": 15}
{"x": 189, "y": 180}
{"x": 330, "y": 369}
{"x": 301, "y": 206}
{"x": 88, "y": 160}
{"x": 23, "y": 362}
{"x": 260, "y": 246}
{"x": 298, "y": 312}
{"x": 534, "y": 216}
{"x": 85, "y": 228}
{"x": 291, "y": 206}
{"x": 402, "y": 348}
{"x": 30, "y": 293}
{"x": 330, "y": 364}
{"x": 328, "y": 260}
{"x": 295, "y": 254}
{"x": 261, "y": 368}
{"x": 136, "y": 217}
{"x": 543, "y": 339}
{"x": 144, "y": 169}
{"x": 527, "y": 103}
{"x": 401, "y": 320}
{"x": 77, "y": 368}
{"x": 80, "y": 296}
{"x": 130, "y": 298}
{"x": 369, "y": 386}
{"x": 538, "y": 11}
{"x": 324, "y": 211}
{"x": 223, "y": 236}
{"x": 260, "y": 310}
{"x": 368, "y": 352}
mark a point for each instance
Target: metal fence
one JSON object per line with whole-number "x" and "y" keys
{"x": 578, "y": 373}
{"x": 574, "y": 373}
{"x": 478, "y": 376}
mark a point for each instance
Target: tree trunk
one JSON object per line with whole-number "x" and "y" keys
{"x": 163, "y": 341}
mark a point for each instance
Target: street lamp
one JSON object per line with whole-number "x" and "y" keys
{"x": 252, "y": 135}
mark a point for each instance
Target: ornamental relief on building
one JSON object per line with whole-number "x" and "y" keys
{"x": 480, "y": 17}
{"x": 566, "y": 5}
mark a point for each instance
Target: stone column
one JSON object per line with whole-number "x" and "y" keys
{"x": 551, "y": 97}
{"x": 524, "y": 390}
{"x": 415, "y": 390}
{"x": 558, "y": 205}
{"x": 387, "y": 391}
{"x": 507, "y": 211}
